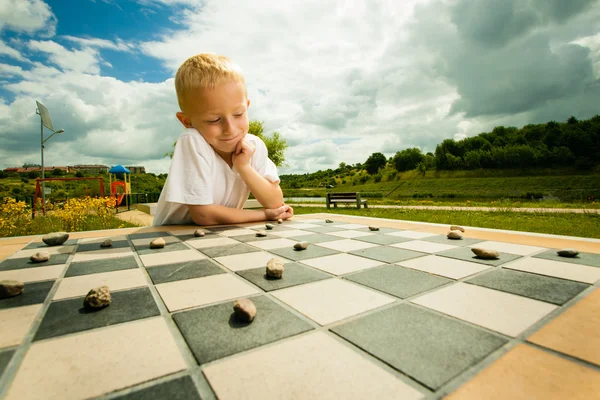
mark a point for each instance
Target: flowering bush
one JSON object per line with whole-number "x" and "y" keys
{"x": 14, "y": 217}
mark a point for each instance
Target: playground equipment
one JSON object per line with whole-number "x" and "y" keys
{"x": 39, "y": 193}
{"x": 120, "y": 189}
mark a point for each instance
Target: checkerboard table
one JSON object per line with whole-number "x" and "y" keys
{"x": 398, "y": 313}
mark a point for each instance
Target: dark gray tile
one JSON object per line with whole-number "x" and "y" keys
{"x": 5, "y": 357}
{"x": 590, "y": 259}
{"x": 104, "y": 265}
{"x": 190, "y": 237}
{"x": 323, "y": 229}
{"x": 69, "y": 316}
{"x": 117, "y": 244}
{"x": 294, "y": 274}
{"x": 430, "y": 348}
{"x": 254, "y": 238}
{"x": 176, "y": 246}
{"x": 398, "y": 281}
{"x": 19, "y": 263}
{"x": 223, "y": 228}
{"x": 42, "y": 245}
{"x": 296, "y": 255}
{"x": 213, "y": 332}
{"x": 276, "y": 227}
{"x": 380, "y": 231}
{"x": 387, "y": 254}
{"x": 544, "y": 288}
{"x": 176, "y": 389}
{"x": 181, "y": 271}
{"x": 33, "y": 293}
{"x": 383, "y": 239}
{"x": 465, "y": 253}
{"x": 228, "y": 250}
{"x": 316, "y": 238}
{"x": 442, "y": 239}
{"x": 147, "y": 235}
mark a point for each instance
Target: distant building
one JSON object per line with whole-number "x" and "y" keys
{"x": 136, "y": 169}
{"x": 21, "y": 170}
{"x": 91, "y": 168}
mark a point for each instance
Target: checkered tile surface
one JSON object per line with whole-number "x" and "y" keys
{"x": 359, "y": 314}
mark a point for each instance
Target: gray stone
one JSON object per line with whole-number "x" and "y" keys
{"x": 261, "y": 234}
{"x": 97, "y": 298}
{"x": 244, "y": 310}
{"x": 40, "y": 256}
{"x": 567, "y": 253}
{"x": 55, "y": 238}
{"x": 457, "y": 228}
{"x": 10, "y": 288}
{"x": 328, "y": 221}
{"x": 280, "y": 221}
{"x": 275, "y": 268}
{"x": 455, "y": 235}
{"x": 158, "y": 243}
{"x": 106, "y": 243}
{"x": 485, "y": 253}
{"x": 301, "y": 246}
{"x": 198, "y": 233}
{"x": 269, "y": 226}
{"x": 373, "y": 228}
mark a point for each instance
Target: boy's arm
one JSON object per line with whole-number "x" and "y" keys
{"x": 216, "y": 214}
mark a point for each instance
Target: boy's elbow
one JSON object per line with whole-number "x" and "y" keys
{"x": 201, "y": 215}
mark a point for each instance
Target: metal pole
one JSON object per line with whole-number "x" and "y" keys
{"x": 43, "y": 175}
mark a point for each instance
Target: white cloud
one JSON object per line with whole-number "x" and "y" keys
{"x": 85, "y": 60}
{"x": 10, "y": 52}
{"x": 119, "y": 45}
{"x": 29, "y": 16}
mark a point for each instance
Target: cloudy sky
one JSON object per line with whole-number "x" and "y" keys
{"x": 339, "y": 79}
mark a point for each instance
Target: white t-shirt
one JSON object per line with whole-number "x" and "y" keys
{"x": 199, "y": 176}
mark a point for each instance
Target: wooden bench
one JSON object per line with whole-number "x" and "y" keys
{"x": 350, "y": 197}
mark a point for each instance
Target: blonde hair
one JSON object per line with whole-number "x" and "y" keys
{"x": 204, "y": 71}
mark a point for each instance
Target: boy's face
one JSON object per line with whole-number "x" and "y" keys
{"x": 220, "y": 115}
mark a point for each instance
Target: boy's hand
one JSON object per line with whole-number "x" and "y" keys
{"x": 242, "y": 154}
{"x": 283, "y": 212}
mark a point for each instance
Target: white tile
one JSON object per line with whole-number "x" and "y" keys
{"x": 206, "y": 242}
{"x": 273, "y": 243}
{"x": 171, "y": 257}
{"x": 300, "y": 225}
{"x": 33, "y": 274}
{"x": 64, "y": 367}
{"x": 16, "y": 322}
{"x": 237, "y": 232}
{"x": 201, "y": 291}
{"x": 102, "y": 254}
{"x": 50, "y": 250}
{"x": 312, "y": 366}
{"x": 423, "y": 246}
{"x": 146, "y": 241}
{"x": 412, "y": 234}
{"x": 349, "y": 234}
{"x": 346, "y": 245}
{"x": 339, "y": 264}
{"x": 102, "y": 239}
{"x": 190, "y": 231}
{"x": 290, "y": 233}
{"x": 311, "y": 220}
{"x": 331, "y": 300}
{"x": 239, "y": 262}
{"x": 444, "y": 266}
{"x": 518, "y": 249}
{"x": 115, "y": 280}
{"x": 558, "y": 269}
{"x": 502, "y": 312}
{"x": 351, "y": 226}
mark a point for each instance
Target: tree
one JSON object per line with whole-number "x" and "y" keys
{"x": 408, "y": 159}
{"x": 276, "y": 145}
{"x": 375, "y": 162}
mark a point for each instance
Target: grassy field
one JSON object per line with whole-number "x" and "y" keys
{"x": 581, "y": 225}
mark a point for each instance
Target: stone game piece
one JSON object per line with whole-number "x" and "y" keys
{"x": 106, "y": 243}
{"x": 158, "y": 243}
{"x": 485, "y": 253}
{"x": 198, "y": 233}
{"x": 328, "y": 221}
{"x": 244, "y": 310}
{"x": 261, "y": 234}
{"x": 275, "y": 268}
{"x": 40, "y": 256}
{"x": 567, "y": 253}
{"x": 301, "y": 246}
{"x": 97, "y": 298}
{"x": 455, "y": 235}
{"x": 269, "y": 226}
{"x": 457, "y": 228}
{"x": 373, "y": 228}
{"x": 280, "y": 221}
{"x": 10, "y": 288}
{"x": 55, "y": 238}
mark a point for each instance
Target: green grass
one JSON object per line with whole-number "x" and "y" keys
{"x": 581, "y": 225}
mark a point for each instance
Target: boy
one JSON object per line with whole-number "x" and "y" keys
{"x": 216, "y": 162}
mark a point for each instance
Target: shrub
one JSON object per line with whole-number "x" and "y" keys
{"x": 14, "y": 217}
{"x": 377, "y": 178}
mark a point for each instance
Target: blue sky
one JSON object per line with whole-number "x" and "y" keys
{"x": 338, "y": 79}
